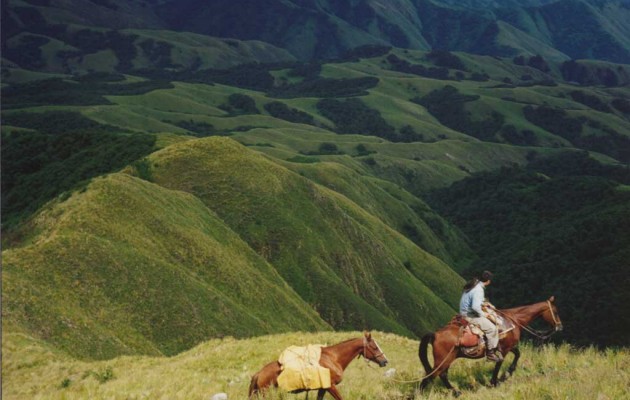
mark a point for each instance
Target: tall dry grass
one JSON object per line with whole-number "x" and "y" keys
{"x": 32, "y": 370}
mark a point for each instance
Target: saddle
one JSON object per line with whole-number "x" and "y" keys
{"x": 471, "y": 336}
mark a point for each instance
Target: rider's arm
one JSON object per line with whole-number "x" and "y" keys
{"x": 477, "y": 299}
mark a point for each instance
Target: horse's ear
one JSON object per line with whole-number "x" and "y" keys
{"x": 552, "y": 299}
{"x": 367, "y": 334}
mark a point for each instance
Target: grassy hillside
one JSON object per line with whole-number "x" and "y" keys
{"x": 31, "y": 369}
{"x": 127, "y": 267}
{"x": 353, "y": 268}
{"x": 178, "y": 208}
{"x": 317, "y": 172}
{"x": 155, "y": 270}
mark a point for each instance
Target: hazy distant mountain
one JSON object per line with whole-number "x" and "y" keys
{"x": 323, "y": 28}
{"x": 481, "y": 4}
{"x": 484, "y": 4}
{"x": 560, "y": 30}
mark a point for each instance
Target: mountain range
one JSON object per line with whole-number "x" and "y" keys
{"x": 71, "y": 32}
{"x": 179, "y": 171}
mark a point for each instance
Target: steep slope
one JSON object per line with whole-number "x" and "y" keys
{"x": 510, "y": 37}
{"x": 558, "y": 226}
{"x": 324, "y": 29}
{"x": 393, "y": 205}
{"x": 350, "y": 266}
{"x": 579, "y": 29}
{"x": 309, "y": 29}
{"x": 128, "y": 267}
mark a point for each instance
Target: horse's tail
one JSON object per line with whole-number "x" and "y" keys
{"x": 253, "y": 385}
{"x": 422, "y": 351}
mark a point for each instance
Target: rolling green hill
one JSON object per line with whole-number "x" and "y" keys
{"x": 128, "y": 267}
{"x": 308, "y": 179}
{"x": 156, "y": 269}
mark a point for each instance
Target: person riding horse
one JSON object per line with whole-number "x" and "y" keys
{"x": 470, "y": 308}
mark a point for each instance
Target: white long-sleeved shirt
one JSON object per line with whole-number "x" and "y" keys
{"x": 470, "y": 303}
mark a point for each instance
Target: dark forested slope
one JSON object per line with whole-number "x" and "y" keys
{"x": 556, "y": 227}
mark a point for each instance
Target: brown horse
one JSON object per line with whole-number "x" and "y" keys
{"x": 446, "y": 349}
{"x": 336, "y": 358}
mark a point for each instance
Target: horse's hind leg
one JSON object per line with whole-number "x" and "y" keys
{"x": 442, "y": 363}
{"x": 427, "y": 379}
{"x": 445, "y": 381}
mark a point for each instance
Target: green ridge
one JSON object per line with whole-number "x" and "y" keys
{"x": 128, "y": 267}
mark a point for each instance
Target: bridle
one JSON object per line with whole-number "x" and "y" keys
{"x": 556, "y": 321}
{"x": 540, "y": 335}
{"x": 376, "y": 355}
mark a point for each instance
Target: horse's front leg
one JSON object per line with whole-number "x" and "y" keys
{"x": 495, "y": 374}
{"x": 517, "y": 355}
{"x": 333, "y": 392}
{"x": 321, "y": 393}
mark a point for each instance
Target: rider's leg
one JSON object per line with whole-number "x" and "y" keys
{"x": 492, "y": 338}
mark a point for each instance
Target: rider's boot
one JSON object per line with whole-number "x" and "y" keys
{"x": 493, "y": 355}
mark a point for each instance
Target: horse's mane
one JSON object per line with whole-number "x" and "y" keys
{"x": 348, "y": 340}
{"x": 520, "y": 309}
{"x": 342, "y": 342}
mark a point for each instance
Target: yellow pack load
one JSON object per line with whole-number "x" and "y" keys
{"x": 301, "y": 369}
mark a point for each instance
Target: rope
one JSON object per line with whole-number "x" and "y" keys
{"x": 429, "y": 375}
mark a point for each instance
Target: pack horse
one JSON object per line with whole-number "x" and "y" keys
{"x": 334, "y": 358}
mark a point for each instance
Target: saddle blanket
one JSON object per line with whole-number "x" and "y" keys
{"x": 301, "y": 369}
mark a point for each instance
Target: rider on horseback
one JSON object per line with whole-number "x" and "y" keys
{"x": 470, "y": 308}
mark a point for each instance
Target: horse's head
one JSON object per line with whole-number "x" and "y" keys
{"x": 371, "y": 350}
{"x": 551, "y": 316}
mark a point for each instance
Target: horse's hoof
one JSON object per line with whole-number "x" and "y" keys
{"x": 457, "y": 393}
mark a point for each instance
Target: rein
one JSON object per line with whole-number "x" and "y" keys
{"x": 540, "y": 335}
{"x": 367, "y": 361}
